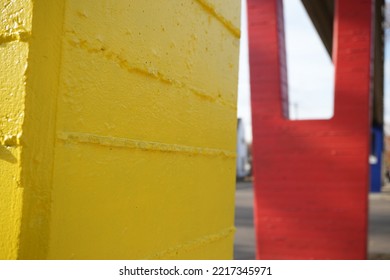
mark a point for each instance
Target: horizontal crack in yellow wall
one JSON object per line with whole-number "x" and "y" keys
{"x": 142, "y": 145}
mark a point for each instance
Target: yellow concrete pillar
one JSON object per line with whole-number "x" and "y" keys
{"x": 15, "y": 29}
{"x": 124, "y": 142}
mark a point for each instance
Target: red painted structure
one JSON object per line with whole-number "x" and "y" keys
{"x": 311, "y": 177}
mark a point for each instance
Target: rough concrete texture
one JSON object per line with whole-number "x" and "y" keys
{"x": 15, "y": 29}
{"x": 118, "y": 140}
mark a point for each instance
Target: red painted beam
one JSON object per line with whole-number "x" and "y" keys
{"x": 311, "y": 177}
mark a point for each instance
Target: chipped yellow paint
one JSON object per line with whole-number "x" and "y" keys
{"x": 128, "y": 114}
{"x": 17, "y": 36}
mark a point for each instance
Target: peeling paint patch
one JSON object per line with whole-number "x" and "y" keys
{"x": 12, "y": 37}
{"x": 10, "y": 140}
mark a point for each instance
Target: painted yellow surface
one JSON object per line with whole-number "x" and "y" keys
{"x": 128, "y": 144}
{"x": 38, "y": 140}
{"x": 15, "y": 25}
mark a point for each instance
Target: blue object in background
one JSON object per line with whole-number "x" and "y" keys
{"x": 376, "y": 158}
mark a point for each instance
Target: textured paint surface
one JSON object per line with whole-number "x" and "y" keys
{"x": 15, "y": 27}
{"x": 42, "y": 88}
{"x": 311, "y": 177}
{"x": 128, "y": 113}
{"x": 144, "y": 163}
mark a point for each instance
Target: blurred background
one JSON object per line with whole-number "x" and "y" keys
{"x": 311, "y": 96}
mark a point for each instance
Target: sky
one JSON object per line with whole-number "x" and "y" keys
{"x": 310, "y": 70}
{"x": 243, "y": 106}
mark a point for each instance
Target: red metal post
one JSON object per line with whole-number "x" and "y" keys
{"x": 311, "y": 177}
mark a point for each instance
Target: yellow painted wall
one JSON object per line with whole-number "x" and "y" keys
{"x": 15, "y": 28}
{"x": 129, "y": 130}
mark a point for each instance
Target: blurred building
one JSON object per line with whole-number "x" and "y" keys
{"x": 242, "y": 167}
